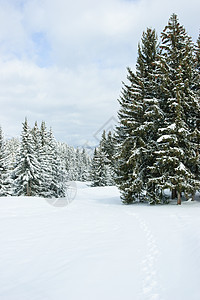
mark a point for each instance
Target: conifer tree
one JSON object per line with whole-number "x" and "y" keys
{"x": 158, "y": 132}
{"x": 78, "y": 165}
{"x": 94, "y": 166}
{"x": 197, "y": 129}
{"x": 107, "y": 148}
{"x": 41, "y": 145}
{"x": 85, "y": 169}
{"x": 180, "y": 107}
{"x": 130, "y": 117}
{"x": 197, "y": 56}
{"x": 12, "y": 146}
{"x": 71, "y": 165}
{"x": 27, "y": 177}
{"x": 100, "y": 169}
{"x": 39, "y": 165}
{"x": 58, "y": 175}
{"x": 138, "y": 116}
{"x": 36, "y": 139}
{"x": 147, "y": 70}
{"x": 110, "y": 146}
{"x": 5, "y": 178}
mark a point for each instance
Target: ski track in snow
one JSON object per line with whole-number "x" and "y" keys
{"x": 151, "y": 289}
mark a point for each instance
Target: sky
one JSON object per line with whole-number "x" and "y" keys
{"x": 63, "y": 61}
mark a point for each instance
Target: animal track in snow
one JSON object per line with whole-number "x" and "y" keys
{"x": 151, "y": 289}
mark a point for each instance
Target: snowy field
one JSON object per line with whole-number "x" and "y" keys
{"x": 98, "y": 249}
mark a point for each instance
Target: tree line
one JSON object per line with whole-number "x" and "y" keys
{"x": 37, "y": 165}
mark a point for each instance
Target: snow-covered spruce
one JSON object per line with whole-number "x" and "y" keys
{"x": 159, "y": 119}
{"x": 139, "y": 118}
{"x": 5, "y": 175}
{"x": 37, "y": 165}
{"x": 103, "y": 163}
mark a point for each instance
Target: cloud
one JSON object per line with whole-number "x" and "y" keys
{"x": 63, "y": 61}
{"x": 69, "y": 100}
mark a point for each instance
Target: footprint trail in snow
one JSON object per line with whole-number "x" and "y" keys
{"x": 151, "y": 289}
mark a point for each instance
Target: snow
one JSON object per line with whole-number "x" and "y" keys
{"x": 181, "y": 167}
{"x": 172, "y": 126}
{"x": 164, "y": 138}
{"x": 97, "y": 248}
{"x": 182, "y": 130}
{"x": 167, "y": 137}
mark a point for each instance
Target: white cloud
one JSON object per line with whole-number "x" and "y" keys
{"x": 70, "y": 98}
{"x": 63, "y": 61}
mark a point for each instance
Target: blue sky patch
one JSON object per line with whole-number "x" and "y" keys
{"x": 42, "y": 49}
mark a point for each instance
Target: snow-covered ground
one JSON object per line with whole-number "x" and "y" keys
{"x": 98, "y": 249}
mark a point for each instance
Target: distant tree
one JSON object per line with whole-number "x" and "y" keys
{"x": 5, "y": 178}
{"x": 101, "y": 174}
{"x": 27, "y": 176}
{"x": 40, "y": 166}
{"x": 196, "y": 166}
{"x": 94, "y": 166}
{"x": 58, "y": 174}
{"x": 85, "y": 163}
{"x": 107, "y": 146}
{"x": 12, "y": 145}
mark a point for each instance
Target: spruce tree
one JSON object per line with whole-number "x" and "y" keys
{"x": 27, "y": 175}
{"x": 42, "y": 151}
{"x": 71, "y": 164}
{"x": 130, "y": 118}
{"x": 180, "y": 106}
{"x": 58, "y": 174}
{"x": 197, "y": 56}
{"x": 147, "y": 70}
{"x": 100, "y": 169}
{"x": 78, "y": 165}
{"x": 85, "y": 163}
{"x": 94, "y": 167}
{"x": 5, "y": 175}
{"x": 197, "y": 129}
{"x": 107, "y": 148}
{"x": 138, "y": 118}
{"x": 12, "y": 146}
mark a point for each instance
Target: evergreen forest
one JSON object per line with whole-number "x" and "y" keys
{"x": 156, "y": 143}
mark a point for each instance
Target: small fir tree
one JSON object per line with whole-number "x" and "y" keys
{"x": 5, "y": 175}
{"x": 27, "y": 177}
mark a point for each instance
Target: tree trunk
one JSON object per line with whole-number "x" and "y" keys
{"x": 174, "y": 194}
{"x": 28, "y": 189}
{"x": 179, "y": 199}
